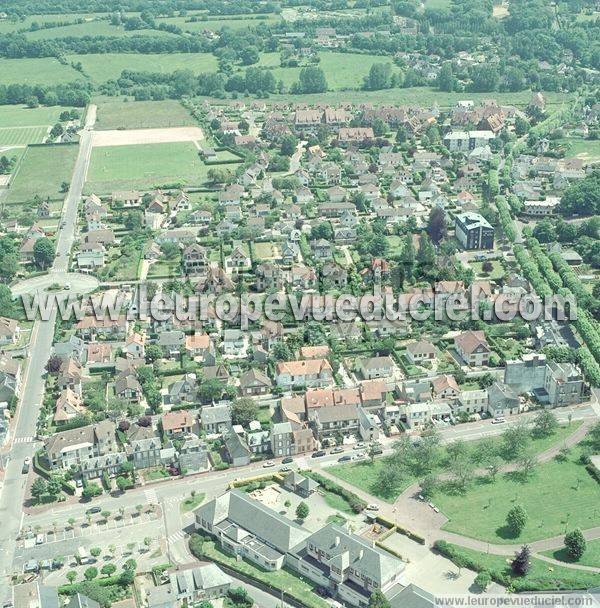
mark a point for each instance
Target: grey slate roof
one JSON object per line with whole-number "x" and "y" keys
{"x": 370, "y": 561}
{"x": 262, "y": 522}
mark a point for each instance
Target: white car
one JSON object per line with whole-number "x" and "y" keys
{"x": 359, "y": 446}
{"x": 268, "y": 464}
{"x": 372, "y": 507}
{"x": 499, "y": 420}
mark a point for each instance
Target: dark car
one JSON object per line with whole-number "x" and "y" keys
{"x": 93, "y": 510}
{"x": 345, "y": 458}
{"x": 318, "y": 454}
{"x": 287, "y": 460}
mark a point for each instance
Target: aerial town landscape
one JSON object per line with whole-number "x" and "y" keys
{"x": 299, "y": 303}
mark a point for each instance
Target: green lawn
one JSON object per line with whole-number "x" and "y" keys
{"x": 189, "y": 504}
{"x": 496, "y": 273}
{"x": 363, "y": 474}
{"x": 278, "y": 579}
{"x": 165, "y": 268}
{"x": 541, "y": 576}
{"x": 342, "y": 70}
{"x": 558, "y": 496}
{"x": 107, "y": 66}
{"x": 42, "y": 171}
{"x": 144, "y": 166}
{"x": 21, "y": 116}
{"x": 117, "y": 114}
{"x": 43, "y": 70}
{"x": 591, "y": 557}
{"x": 581, "y": 148}
{"x": 337, "y": 502}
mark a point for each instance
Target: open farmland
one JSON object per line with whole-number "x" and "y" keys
{"x": 89, "y": 28}
{"x": 116, "y": 114}
{"x": 21, "y": 136}
{"x": 108, "y": 66}
{"x": 421, "y": 96}
{"x": 43, "y": 71}
{"x": 145, "y": 166}
{"x": 42, "y": 171}
{"x": 206, "y": 23}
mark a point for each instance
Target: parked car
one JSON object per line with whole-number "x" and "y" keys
{"x": 359, "y": 446}
{"x": 26, "y": 464}
{"x": 268, "y": 464}
{"x": 345, "y": 458}
{"x": 318, "y": 454}
{"x": 338, "y": 450}
{"x": 372, "y": 507}
{"x": 499, "y": 420}
{"x": 92, "y": 510}
{"x": 287, "y": 460}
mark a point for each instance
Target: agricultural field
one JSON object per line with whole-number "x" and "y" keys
{"x": 42, "y": 171}
{"x": 21, "y": 136}
{"x": 108, "y": 66}
{"x": 114, "y": 113}
{"x": 90, "y": 28}
{"x": 43, "y": 71}
{"x": 144, "y": 166}
{"x": 206, "y": 23}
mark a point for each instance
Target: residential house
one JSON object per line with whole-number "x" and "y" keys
{"x": 177, "y": 423}
{"x": 255, "y": 382}
{"x": 305, "y": 373}
{"x": 215, "y": 419}
{"x": 473, "y": 348}
{"x": 376, "y": 367}
{"x": 72, "y": 447}
{"x": 421, "y": 351}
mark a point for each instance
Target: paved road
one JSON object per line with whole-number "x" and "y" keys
{"x": 28, "y": 409}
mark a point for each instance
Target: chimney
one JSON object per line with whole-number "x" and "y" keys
{"x": 337, "y": 541}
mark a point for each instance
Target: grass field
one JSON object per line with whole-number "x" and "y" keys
{"x": 41, "y": 172}
{"x": 421, "y": 96}
{"x": 144, "y": 166}
{"x": 342, "y": 70}
{"x": 541, "y": 576}
{"x": 481, "y": 511}
{"x": 102, "y": 67}
{"x": 237, "y": 23}
{"x": 21, "y": 116}
{"x": 45, "y": 70}
{"x": 21, "y": 136}
{"x": 591, "y": 557}
{"x": 90, "y": 28}
{"x": 117, "y": 114}
{"x": 581, "y": 148}
{"x": 364, "y": 474}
